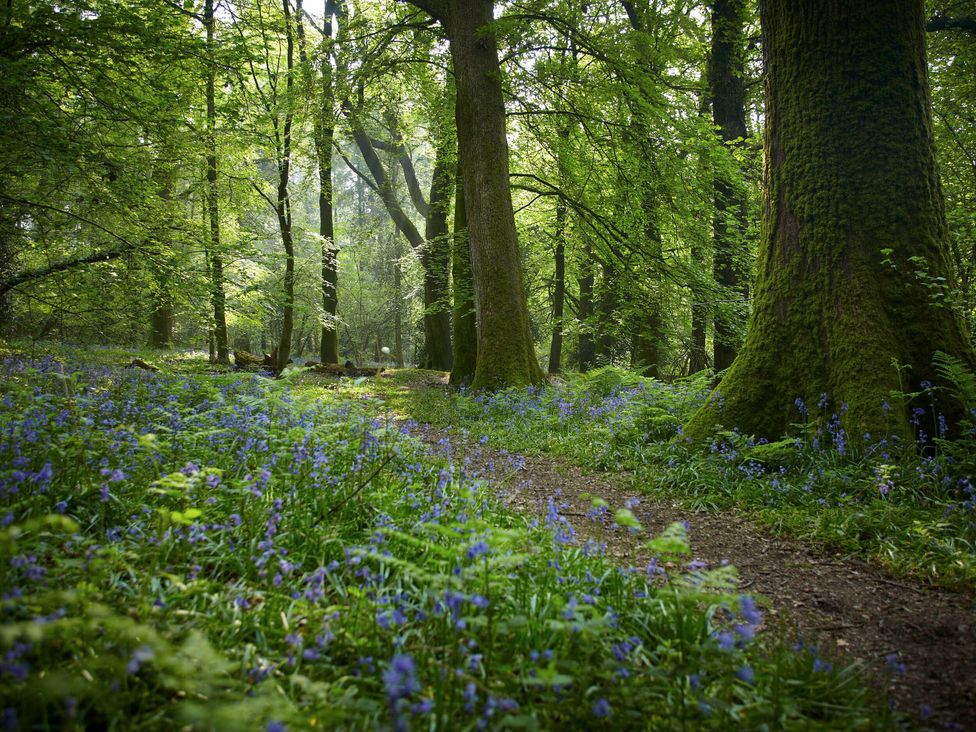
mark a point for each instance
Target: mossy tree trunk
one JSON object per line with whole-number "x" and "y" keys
{"x": 465, "y": 326}
{"x": 436, "y": 262}
{"x": 726, "y": 80}
{"x": 506, "y": 353}
{"x": 853, "y": 228}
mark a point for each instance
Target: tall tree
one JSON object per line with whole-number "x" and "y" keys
{"x": 727, "y": 87}
{"x": 323, "y": 134}
{"x": 465, "y": 329}
{"x": 854, "y": 234}
{"x": 506, "y": 353}
{"x": 216, "y": 260}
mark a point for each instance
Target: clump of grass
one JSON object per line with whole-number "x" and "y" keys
{"x": 216, "y": 551}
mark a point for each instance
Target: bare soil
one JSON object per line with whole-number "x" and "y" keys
{"x": 916, "y": 640}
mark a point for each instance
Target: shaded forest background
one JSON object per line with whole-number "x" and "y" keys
{"x": 159, "y": 161}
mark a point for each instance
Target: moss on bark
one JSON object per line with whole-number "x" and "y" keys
{"x": 506, "y": 353}
{"x": 465, "y": 341}
{"x": 853, "y": 229}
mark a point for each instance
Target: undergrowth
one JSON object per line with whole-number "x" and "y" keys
{"x": 230, "y": 552}
{"x": 911, "y": 507}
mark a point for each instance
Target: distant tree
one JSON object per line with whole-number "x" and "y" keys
{"x": 853, "y": 273}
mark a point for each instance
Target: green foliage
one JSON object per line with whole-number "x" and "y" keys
{"x": 896, "y": 502}
{"x": 217, "y": 552}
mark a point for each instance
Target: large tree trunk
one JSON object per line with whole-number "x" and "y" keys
{"x": 854, "y": 232}
{"x": 217, "y": 298}
{"x": 506, "y": 353}
{"x": 465, "y": 326}
{"x": 726, "y": 78}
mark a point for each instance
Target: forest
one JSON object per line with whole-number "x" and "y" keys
{"x": 461, "y": 364}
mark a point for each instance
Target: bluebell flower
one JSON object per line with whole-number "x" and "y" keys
{"x": 601, "y": 708}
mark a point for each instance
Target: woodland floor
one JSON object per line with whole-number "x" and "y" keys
{"x": 847, "y": 607}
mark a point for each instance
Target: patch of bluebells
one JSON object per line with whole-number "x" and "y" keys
{"x": 320, "y": 517}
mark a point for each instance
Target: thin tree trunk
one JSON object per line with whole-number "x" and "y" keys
{"x": 587, "y": 344}
{"x": 853, "y": 214}
{"x": 436, "y": 262}
{"x": 465, "y": 324}
{"x": 558, "y": 291}
{"x": 323, "y": 134}
{"x": 217, "y": 296}
{"x": 606, "y": 311}
{"x": 283, "y": 203}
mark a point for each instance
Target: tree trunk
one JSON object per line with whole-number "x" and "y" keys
{"x": 283, "y": 205}
{"x": 465, "y": 325}
{"x": 397, "y": 309}
{"x": 436, "y": 262}
{"x": 324, "y": 133}
{"x": 587, "y": 345}
{"x": 854, "y": 232}
{"x": 698, "y": 358}
{"x": 558, "y": 293}
{"x": 506, "y": 353}
{"x": 217, "y": 297}
{"x": 606, "y": 313}
{"x": 161, "y": 322}
{"x": 726, "y": 77}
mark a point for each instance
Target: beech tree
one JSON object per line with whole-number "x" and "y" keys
{"x": 853, "y": 276}
{"x": 506, "y": 353}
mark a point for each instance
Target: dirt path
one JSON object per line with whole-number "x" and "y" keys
{"x": 920, "y": 641}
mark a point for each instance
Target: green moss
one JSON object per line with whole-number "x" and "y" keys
{"x": 851, "y": 172}
{"x": 780, "y": 454}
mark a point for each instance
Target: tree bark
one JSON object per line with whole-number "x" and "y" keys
{"x": 323, "y": 134}
{"x": 726, "y": 78}
{"x": 436, "y": 261}
{"x": 218, "y": 299}
{"x": 283, "y": 202}
{"x": 506, "y": 353}
{"x": 465, "y": 325}
{"x": 854, "y": 232}
{"x": 586, "y": 346}
{"x": 558, "y": 292}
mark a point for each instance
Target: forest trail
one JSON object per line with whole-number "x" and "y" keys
{"x": 919, "y": 641}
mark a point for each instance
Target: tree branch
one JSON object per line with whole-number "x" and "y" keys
{"x": 36, "y": 274}
{"x": 944, "y": 22}
{"x": 435, "y": 8}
